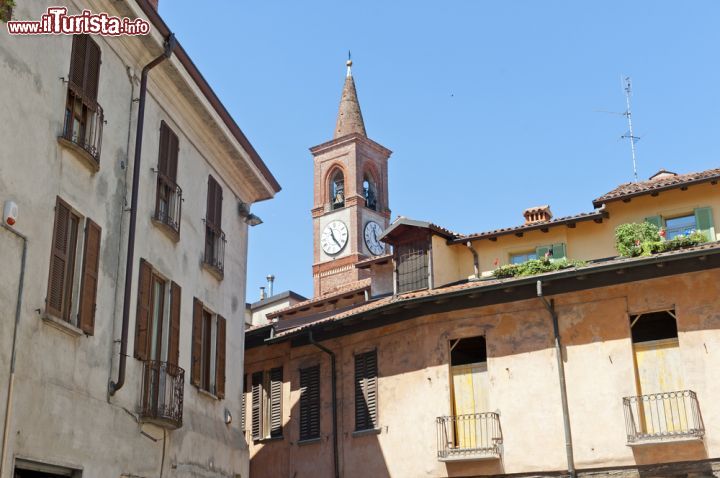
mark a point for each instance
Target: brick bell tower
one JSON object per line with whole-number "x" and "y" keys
{"x": 350, "y": 207}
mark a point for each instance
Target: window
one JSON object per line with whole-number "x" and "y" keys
{"x": 700, "y": 220}
{"x": 337, "y": 190}
{"x": 366, "y": 391}
{"x": 370, "y": 193}
{"x": 208, "y": 350}
{"x": 550, "y": 251}
{"x": 657, "y": 352}
{"x": 522, "y": 257}
{"x": 72, "y": 284}
{"x": 470, "y": 383}
{"x": 83, "y": 115}
{"x": 310, "y": 403}
{"x": 168, "y": 199}
{"x": 214, "y": 256}
{"x": 412, "y": 264}
{"x": 267, "y": 404}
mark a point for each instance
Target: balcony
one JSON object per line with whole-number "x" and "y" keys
{"x": 214, "y": 257}
{"x": 83, "y": 126}
{"x": 661, "y": 417}
{"x": 162, "y": 394}
{"x": 476, "y": 436}
{"x": 168, "y": 205}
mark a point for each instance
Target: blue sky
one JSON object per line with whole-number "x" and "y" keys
{"x": 489, "y": 106}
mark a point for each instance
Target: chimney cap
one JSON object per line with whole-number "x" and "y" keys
{"x": 537, "y": 214}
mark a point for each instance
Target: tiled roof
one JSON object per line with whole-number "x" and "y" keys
{"x": 351, "y": 311}
{"x": 354, "y": 287}
{"x": 628, "y": 190}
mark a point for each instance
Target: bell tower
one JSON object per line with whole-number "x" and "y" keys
{"x": 350, "y": 207}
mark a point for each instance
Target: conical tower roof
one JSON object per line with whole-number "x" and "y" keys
{"x": 349, "y": 119}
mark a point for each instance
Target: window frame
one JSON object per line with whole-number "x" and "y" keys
{"x": 208, "y": 355}
{"x": 310, "y": 403}
{"x": 418, "y": 277}
{"x": 267, "y": 393}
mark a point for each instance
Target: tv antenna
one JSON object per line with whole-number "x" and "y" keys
{"x": 627, "y": 86}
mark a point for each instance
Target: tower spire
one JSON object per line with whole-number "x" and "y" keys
{"x": 349, "y": 119}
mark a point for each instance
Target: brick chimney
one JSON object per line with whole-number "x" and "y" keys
{"x": 537, "y": 214}
{"x": 154, "y": 3}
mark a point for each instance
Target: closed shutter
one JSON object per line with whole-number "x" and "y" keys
{"x": 540, "y": 251}
{"x": 657, "y": 220}
{"x": 144, "y": 307}
{"x": 558, "y": 251}
{"x": 77, "y": 59}
{"x": 168, "y": 152}
{"x": 85, "y": 68}
{"x": 92, "y": 70}
{"x": 704, "y": 222}
{"x": 58, "y": 259}
{"x": 90, "y": 270}
{"x": 174, "y": 342}
{"x": 276, "y": 402}
{"x": 220, "y": 358}
{"x": 214, "y": 203}
{"x": 366, "y": 391}
{"x": 163, "y": 148}
{"x": 257, "y": 380}
{"x": 310, "y": 403}
{"x": 195, "y": 359}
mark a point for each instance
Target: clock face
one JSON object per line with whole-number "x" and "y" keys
{"x": 372, "y": 232}
{"x": 334, "y": 237}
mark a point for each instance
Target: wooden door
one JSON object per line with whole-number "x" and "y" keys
{"x": 470, "y": 386}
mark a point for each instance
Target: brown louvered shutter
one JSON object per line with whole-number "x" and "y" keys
{"x": 243, "y": 403}
{"x": 257, "y": 380}
{"x": 58, "y": 259}
{"x": 144, "y": 306}
{"x": 163, "y": 150}
{"x": 175, "y": 307}
{"x": 92, "y": 70}
{"x": 276, "y": 376}
{"x": 366, "y": 390}
{"x": 220, "y": 357}
{"x": 77, "y": 60}
{"x": 214, "y": 202}
{"x": 310, "y": 403}
{"x": 173, "y": 149}
{"x": 196, "y": 355}
{"x": 89, "y": 285}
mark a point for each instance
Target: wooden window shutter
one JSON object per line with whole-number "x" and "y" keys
{"x": 540, "y": 251}
{"x": 276, "y": 376}
{"x": 90, "y": 273}
{"x": 220, "y": 358}
{"x": 196, "y": 355}
{"x": 214, "y": 202}
{"x": 559, "y": 251}
{"x": 85, "y": 66}
{"x": 164, "y": 148}
{"x": 366, "y": 391}
{"x": 77, "y": 59}
{"x": 144, "y": 309}
{"x": 310, "y": 403}
{"x": 257, "y": 380}
{"x": 704, "y": 222}
{"x": 92, "y": 70}
{"x": 218, "y": 205}
{"x": 657, "y": 220}
{"x": 174, "y": 342}
{"x": 58, "y": 259}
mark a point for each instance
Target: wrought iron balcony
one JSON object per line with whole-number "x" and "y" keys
{"x": 214, "y": 257}
{"x": 663, "y": 416}
{"x": 168, "y": 203}
{"x": 162, "y": 394}
{"x": 476, "y": 436}
{"x": 84, "y": 120}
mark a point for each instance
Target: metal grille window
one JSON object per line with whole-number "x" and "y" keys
{"x": 366, "y": 391}
{"x": 412, "y": 265}
{"x": 267, "y": 404}
{"x": 168, "y": 199}
{"x": 310, "y": 403}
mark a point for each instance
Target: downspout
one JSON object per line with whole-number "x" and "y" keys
{"x": 334, "y": 401}
{"x": 169, "y": 47}
{"x": 550, "y": 305}
{"x": 11, "y": 379}
{"x": 476, "y": 260}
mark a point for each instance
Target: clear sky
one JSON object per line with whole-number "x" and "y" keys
{"x": 489, "y": 106}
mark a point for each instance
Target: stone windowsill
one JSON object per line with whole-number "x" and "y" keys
{"x": 168, "y": 230}
{"x": 202, "y": 391}
{"x": 309, "y": 441}
{"x": 214, "y": 271}
{"x": 61, "y": 325}
{"x": 369, "y": 431}
{"x": 86, "y": 158}
{"x": 269, "y": 439}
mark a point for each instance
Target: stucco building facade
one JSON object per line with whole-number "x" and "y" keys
{"x": 170, "y": 343}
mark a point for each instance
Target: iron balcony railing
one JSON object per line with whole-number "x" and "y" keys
{"x": 214, "y": 248}
{"x": 168, "y": 205}
{"x": 84, "y": 120}
{"x": 162, "y": 394}
{"x": 468, "y": 437}
{"x": 663, "y": 416}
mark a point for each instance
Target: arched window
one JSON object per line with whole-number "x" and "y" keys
{"x": 337, "y": 190}
{"x": 370, "y": 193}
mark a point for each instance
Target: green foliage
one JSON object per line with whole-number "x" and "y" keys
{"x": 5, "y": 6}
{"x": 644, "y": 239}
{"x": 678, "y": 242}
{"x": 535, "y": 266}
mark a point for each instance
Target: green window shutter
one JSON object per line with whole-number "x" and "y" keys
{"x": 559, "y": 251}
{"x": 657, "y": 220}
{"x": 704, "y": 222}
{"x": 541, "y": 251}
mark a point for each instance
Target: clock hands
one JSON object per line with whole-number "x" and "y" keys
{"x": 332, "y": 234}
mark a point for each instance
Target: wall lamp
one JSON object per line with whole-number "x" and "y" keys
{"x": 249, "y": 218}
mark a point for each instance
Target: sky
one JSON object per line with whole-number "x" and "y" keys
{"x": 489, "y": 107}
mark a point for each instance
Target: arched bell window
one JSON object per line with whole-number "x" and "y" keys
{"x": 337, "y": 190}
{"x": 370, "y": 193}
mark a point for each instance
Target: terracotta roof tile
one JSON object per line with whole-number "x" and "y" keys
{"x": 346, "y": 289}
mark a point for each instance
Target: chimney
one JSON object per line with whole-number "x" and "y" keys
{"x": 271, "y": 279}
{"x": 537, "y": 214}
{"x": 262, "y": 293}
{"x": 662, "y": 174}
{"x": 154, "y": 4}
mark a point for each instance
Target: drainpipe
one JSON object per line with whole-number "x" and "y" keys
{"x": 476, "y": 260}
{"x": 334, "y": 400}
{"x": 11, "y": 380}
{"x": 561, "y": 375}
{"x": 170, "y": 43}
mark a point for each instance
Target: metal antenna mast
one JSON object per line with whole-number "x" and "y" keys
{"x": 627, "y": 86}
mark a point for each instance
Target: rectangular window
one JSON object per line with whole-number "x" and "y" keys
{"x": 700, "y": 220}
{"x": 680, "y": 226}
{"x": 412, "y": 265}
{"x": 310, "y": 403}
{"x": 214, "y": 256}
{"x": 267, "y": 404}
{"x": 366, "y": 391}
{"x": 168, "y": 198}
{"x": 72, "y": 284}
{"x": 208, "y": 350}
{"x": 522, "y": 257}
{"x": 83, "y": 115}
